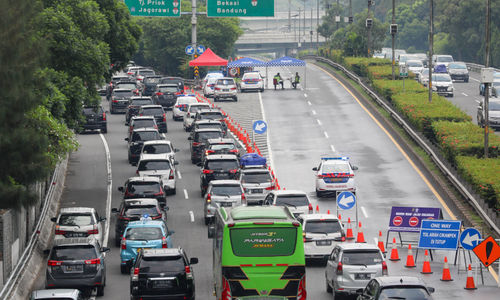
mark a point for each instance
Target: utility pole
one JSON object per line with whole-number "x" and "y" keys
{"x": 304, "y": 27}
{"x": 369, "y": 28}
{"x": 317, "y": 26}
{"x": 338, "y": 13}
{"x": 299, "y": 27}
{"x": 431, "y": 41}
{"x": 289, "y": 16}
{"x": 311, "y": 31}
{"x": 487, "y": 85}
{"x": 393, "y": 34}
{"x": 193, "y": 30}
{"x": 350, "y": 11}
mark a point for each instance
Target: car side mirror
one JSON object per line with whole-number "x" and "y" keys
{"x": 431, "y": 289}
{"x": 354, "y": 168}
{"x": 193, "y": 260}
{"x": 120, "y": 188}
{"x": 315, "y": 169}
{"x": 176, "y": 150}
{"x": 126, "y": 139}
{"x": 54, "y": 219}
{"x": 105, "y": 249}
{"x": 114, "y": 210}
{"x": 211, "y": 231}
{"x": 46, "y": 251}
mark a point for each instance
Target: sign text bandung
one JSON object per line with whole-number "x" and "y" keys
{"x": 439, "y": 234}
{"x": 240, "y": 8}
{"x": 154, "y": 8}
{"x": 408, "y": 219}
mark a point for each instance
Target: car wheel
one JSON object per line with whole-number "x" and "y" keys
{"x": 117, "y": 241}
{"x": 262, "y": 90}
{"x": 174, "y": 191}
{"x": 235, "y": 99}
{"x": 216, "y": 99}
{"x": 466, "y": 80}
{"x": 207, "y": 221}
{"x": 328, "y": 287}
{"x": 104, "y": 129}
{"x": 124, "y": 269}
{"x": 319, "y": 194}
{"x": 100, "y": 291}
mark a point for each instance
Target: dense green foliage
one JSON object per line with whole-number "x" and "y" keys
{"x": 54, "y": 53}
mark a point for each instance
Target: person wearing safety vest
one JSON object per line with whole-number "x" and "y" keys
{"x": 277, "y": 80}
{"x": 296, "y": 81}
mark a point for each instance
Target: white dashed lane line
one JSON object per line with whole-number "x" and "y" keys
{"x": 465, "y": 94}
{"x": 313, "y": 112}
{"x": 319, "y": 122}
{"x": 186, "y": 194}
{"x": 309, "y": 103}
{"x": 326, "y": 134}
{"x": 305, "y": 95}
{"x": 179, "y": 174}
{"x": 191, "y": 215}
{"x": 333, "y": 148}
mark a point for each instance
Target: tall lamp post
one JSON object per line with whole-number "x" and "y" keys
{"x": 431, "y": 41}
{"x": 394, "y": 30}
{"x": 486, "y": 85}
{"x": 368, "y": 24}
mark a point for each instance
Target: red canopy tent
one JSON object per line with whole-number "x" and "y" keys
{"x": 208, "y": 58}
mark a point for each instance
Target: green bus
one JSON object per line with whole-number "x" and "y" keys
{"x": 258, "y": 252}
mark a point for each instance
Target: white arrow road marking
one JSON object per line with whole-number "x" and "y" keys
{"x": 469, "y": 240}
{"x": 186, "y": 194}
{"x": 363, "y": 210}
{"x": 191, "y": 215}
{"x": 260, "y": 127}
{"x": 345, "y": 201}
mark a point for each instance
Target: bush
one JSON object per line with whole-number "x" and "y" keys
{"x": 385, "y": 72}
{"x": 387, "y": 88}
{"x": 421, "y": 113}
{"x": 359, "y": 65}
{"x": 482, "y": 174}
{"x": 463, "y": 138}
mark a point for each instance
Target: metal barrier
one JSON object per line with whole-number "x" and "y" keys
{"x": 450, "y": 175}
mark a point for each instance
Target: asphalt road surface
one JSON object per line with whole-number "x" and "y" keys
{"x": 303, "y": 124}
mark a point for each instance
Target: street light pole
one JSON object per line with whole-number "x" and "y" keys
{"x": 369, "y": 28}
{"x": 304, "y": 25}
{"x": 431, "y": 41}
{"x": 317, "y": 26}
{"x": 393, "y": 37}
{"x": 486, "y": 85}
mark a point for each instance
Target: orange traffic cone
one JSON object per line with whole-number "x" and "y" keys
{"x": 470, "y": 285}
{"x": 426, "y": 268}
{"x": 410, "y": 262}
{"x": 317, "y": 208}
{"x": 394, "y": 251}
{"x": 349, "y": 234}
{"x": 361, "y": 237}
{"x": 446, "y": 271}
{"x": 381, "y": 242}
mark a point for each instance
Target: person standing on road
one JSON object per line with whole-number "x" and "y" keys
{"x": 296, "y": 80}
{"x": 277, "y": 80}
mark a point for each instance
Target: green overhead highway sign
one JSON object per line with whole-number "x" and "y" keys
{"x": 154, "y": 8}
{"x": 240, "y": 8}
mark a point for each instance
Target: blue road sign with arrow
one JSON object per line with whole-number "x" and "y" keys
{"x": 189, "y": 50}
{"x": 470, "y": 238}
{"x": 259, "y": 126}
{"x": 346, "y": 200}
{"x": 200, "y": 49}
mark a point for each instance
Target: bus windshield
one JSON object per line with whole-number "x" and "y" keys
{"x": 263, "y": 241}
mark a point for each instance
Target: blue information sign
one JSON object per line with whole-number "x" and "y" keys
{"x": 189, "y": 50}
{"x": 470, "y": 238}
{"x": 259, "y": 126}
{"x": 346, "y": 200}
{"x": 439, "y": 234}
{"x": 200, "y": 49}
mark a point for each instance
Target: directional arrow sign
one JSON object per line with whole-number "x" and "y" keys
{"x": 470, "y": 238}
{"x": 259, "y": 126}
{"x": 346, "y": 200}
{"x": 189, "y": 50}
{"x": 200, "y": 49}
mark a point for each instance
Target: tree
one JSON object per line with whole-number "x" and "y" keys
{"x": 328, "y": 25}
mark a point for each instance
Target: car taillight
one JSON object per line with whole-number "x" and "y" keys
{"x": 171, "y": 176}
{"x": 157, "y": 216}
{"x": 104, "y": 116}
{"x": 178, "y": 93}
{"x": 159, "y": 94}
{"x": 217, "y": 89}
{"x": 233, "y": 151}
{"x": 128, "y": 194}
{"x": 233, "y": 171}
{"x": 339, "y": 269}
{"x": 53, "y": 263}
{"x": 209, "y": 152}
{"x": 207, "y": 171}
{"x": 233, "y": 88}
{"x": 310, "y": 208}
{"x": 115, "y": 101}
{"x": 188, "y": 272}
{"x": 301, "y": 292}
{"x": 93, "y": 231}
{"x": 164, "y": 117}
{"x": 124, "y": 244}
{"x": 384, "y": 268}
{"x": 135, "y": 275}
{"x": 269, "y": 188}
{"x": 164, "y": 242}
{"x": 243, "y": 198}
{"x": 95, "y": 261}
{"x": 59, "y": 231}
{"x": 209, "y": 198}
{"x": 196, "y": 144}
{"x": 123, "y": 218}
{"x": 137, "y": 171}
{"x": 226, "y": 289}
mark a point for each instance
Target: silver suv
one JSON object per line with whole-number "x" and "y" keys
{"x": 226, "y": 193}
{"x": 257, "y": 183}
{"x": 225, "y": 88}
{"x": 351, "y": 266}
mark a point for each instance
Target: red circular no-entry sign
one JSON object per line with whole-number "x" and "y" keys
{"x": 413, "y": 221}
{"x": 397, "y": 221}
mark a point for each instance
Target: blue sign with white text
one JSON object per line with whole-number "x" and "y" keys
{"x": 439, "y": 234}
{"x": 259, "y": 126}
{"x": 470, "y": 238}
{"x": 346, "y": 200}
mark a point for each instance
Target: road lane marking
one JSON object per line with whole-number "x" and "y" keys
{"x": 364, "y": 212}
{"x": 305, "y": 95}
{"x": 110, "y": 189}
{"x": 325, "y": 133}
{"x": 191, "y": 215}
{"x": 319, "y": 122}
{"x": 269, "y": 150}
{"x": 478, "y": 102}
{"x": 309, "y": 103}
{"x": 313, "y": 112}
{"x": 186, "y": 194}
{"x": 465, "y": 94}
{"x": 179, "y": 174}
{"x": 474, "y": 79}
{"x": 333, "y": 148}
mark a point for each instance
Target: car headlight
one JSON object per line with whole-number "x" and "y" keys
{"x": 434, "y": 88}
{"x": 450, "y": 88}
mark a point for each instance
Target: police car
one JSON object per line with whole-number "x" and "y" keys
{"x": 334, "y": 173}
{"x": 321, "y": 233}
{"x": 140, "y": 235}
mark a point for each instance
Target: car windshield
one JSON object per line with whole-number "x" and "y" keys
{"x": 251, "y": 76}
{"x": 139, "y": 102}
{"x": 292, "y": 200}
{"x": 141, "y": 210}
{"x": 146, "y": 72}
{"x": 203, "y": 136}
{"x": 152, "y": 80}
{"x": 407, "y": 293}
{"x": 222, "y": 164}
{"x": 144, "y": 123}
{"x": 168, "y": 89}
{"x": 414, "y": 64}
{"x": 126, "y": 86}
{"x": 226, "y": 190}
{"x": 177, "y": 81}
{"x": 362, "y": 257}
{"x": 261, "y": 177}
{"x": 195, "y": 108}
{"x": 157, "y": 264}
{"x": 145, "y": 136}
{"x": 494, "y": 106}
{"x": 76, "y": 219}
{"x": 143, "y": 188}
{"x": 441, "y": 78}
{"x": 209, "y": 126}
{"x": 153, "y": 111}
{"x": 211, "y": 116}
{"x": 425, "y": 72}
{"x": 186, "y": 100}
{"x": 156, "y": 149}
{"x": 322, "y": 226}
{"x": 222, "y": 147}
{"x": 335, "y": 168}
{"x": 90, "y": 110}
{"x": 76, "y": 252}
{"x": 148, "y": 165}
{"x": 122, "y": 94}
{"x": 144, "y": 233}
{"x": 457, "y": 66}
{"x": 225, "y": 82}
{"x": 444, "y": 59}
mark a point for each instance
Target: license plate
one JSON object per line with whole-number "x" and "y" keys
{"x": 323, "y": 243}
{"x": 163, "y": 284}
{"x": 257, "y": 191}
{"x": 91, "y": 120}
{"x": 362, "y": 276}
{"x": 73, "y": 268}
{"x": 76, "y": 234}
{"x": 225, "y": 90}
{"x": 226, "y": 204}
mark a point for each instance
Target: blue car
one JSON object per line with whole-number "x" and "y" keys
{"x": 139, "y": 235}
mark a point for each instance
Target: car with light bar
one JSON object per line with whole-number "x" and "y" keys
{"x": 297, "y": 201}
{"x": 119, "y": 100}
{"x": 225, "y": 88}
{"x": 134, "y": 104}
{"x": 181, "y": 106}
{"x": 198, "y": 139}
{"x": 163, "y": 274}
{"x": 132, "y": 210}
{"x": 252, "y": 81}
{"x": 250, "y": 241}
{"x": 95, "y": 118}
{"x": 159, "y": 149}
{"x": 212, "y": 74}
{"x": 78, "y": 222}
{"x": 334, "y": 174}
{"x": 136, "y": 141}
{"x": 220, "y": 146}
{"x": 222, "y": 193}
{"x": 162, "y": 167}
{"x": 350, "y": 267}
{"x": 159, "y": 114}
{"x": 76, "y": 263}
{"x": 218, "y": 167}
{"x": 142, "y": 235}
{"x": 166, "y": 94}
{"x": 144, "y": 187}
{"x": 321, "y": 233}
{"x": 191, "y": 113}
{"x": 257, "y": 182}
{"x": 396, "y": 287}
